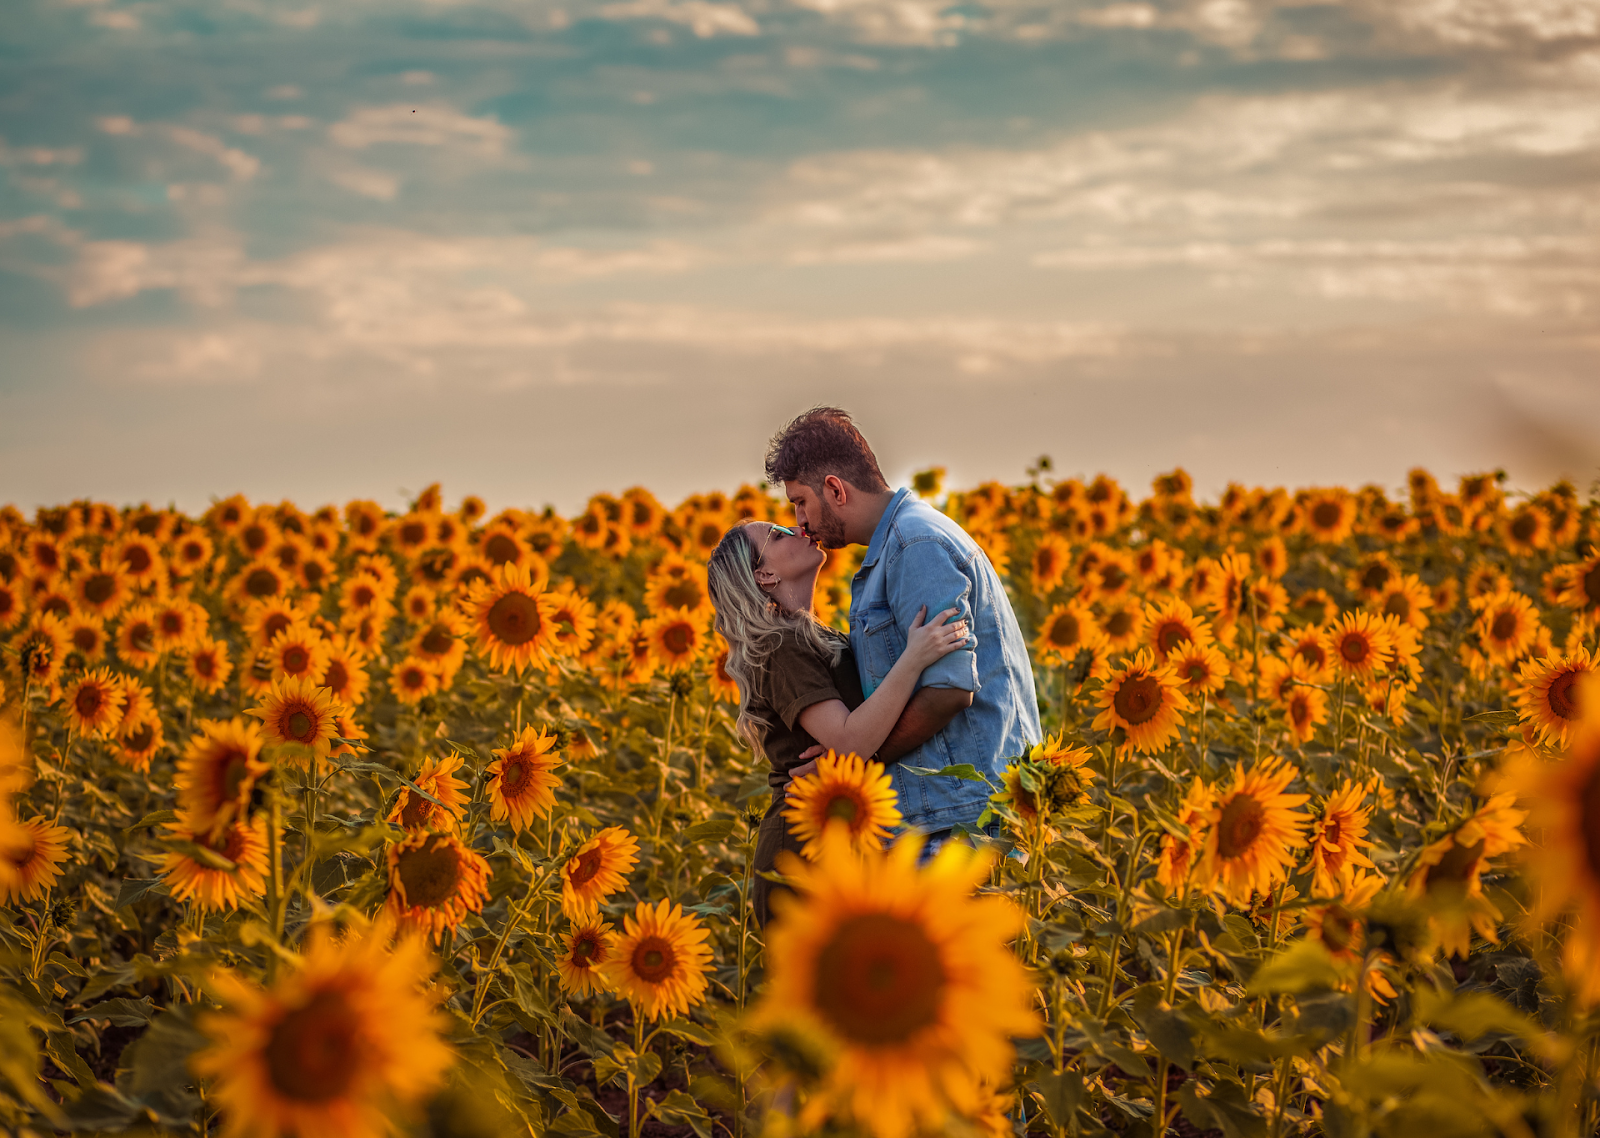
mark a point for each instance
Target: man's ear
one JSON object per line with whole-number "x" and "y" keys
{"x": 835, "y": 490}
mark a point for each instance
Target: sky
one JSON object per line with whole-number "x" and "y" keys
{"x": 536, "y": 250}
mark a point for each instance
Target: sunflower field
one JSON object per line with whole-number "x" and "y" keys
{"x": 352, "y": 823}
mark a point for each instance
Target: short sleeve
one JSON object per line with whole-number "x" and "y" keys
{"x": 797, "y": 677}
{"x": 926, "y": 573}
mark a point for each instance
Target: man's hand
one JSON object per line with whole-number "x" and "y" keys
{"x": 805, "y": 768}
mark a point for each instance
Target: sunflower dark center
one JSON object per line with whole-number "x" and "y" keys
{"x": 314, "y": 1052}
{"x": 262, "y": 583}
{"x": 513, "y": 775}
{"x": 501, "y": 548}
{"x": 1504, "y": 626}
{"x": 685, "y": 594}
{"x": 437, "y": 641}
{"x": 136, "y": 558}
{"x": 84, "y": 639}
{"x": 1198, "y": 672}
{"x": 654, "y": 960}
{"x": 299, "y": 727}
{"x": 1375, "y": 576}
{"x": 1325, "y": 515}
{"x": 337, "y": 678}
{"x": 1112, "y": 577}
{"x": 1171, "y": 635}
{"x": 295, "y": 660}
{"x": 1300, "y": 710}
{"x": 585, "y": 866}
{"x": 1138, "y": 699}
{"x": 417, "y": 812}
{"x": 90, "y": 700}
{"x": 1119, "y": 622}
{"x": 142, "y": 738}
{"x": 1065, "y": 631}
{"x": 879, "y": 980}
{"x": 413, "y": 533}
{"x": 99, "y": 588}
{"x": 362, "y": 596}
{"x": 1398, "y": 605}
{"x": 585, "y": 950}
{"x": 1524, "y": 527}
{"x": 678, "y": 639}
{"x": 1242, "y": 820}
{"x": 842, "y": 807}
{"x": 1590, "y": 581}
{"x": 1354, "y": 649}
{"x": 232, "y": 769}
{"x": 313, "y": 573}
{"x": 142, "y": 637}
{"x": 430, "y": 873}
{"x": 1458, "y": 864}
{"x": 514, "y": 618}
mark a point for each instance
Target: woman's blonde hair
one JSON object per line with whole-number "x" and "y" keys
{"x": 753, "y": 624}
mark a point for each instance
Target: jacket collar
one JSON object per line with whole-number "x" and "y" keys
{"x": 880, "y": 535}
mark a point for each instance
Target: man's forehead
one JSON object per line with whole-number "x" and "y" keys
{"x": 795, "y": 490}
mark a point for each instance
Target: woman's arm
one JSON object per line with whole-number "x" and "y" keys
{"x": 863, "y": 730}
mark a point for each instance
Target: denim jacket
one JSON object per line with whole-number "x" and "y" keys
{"x": 918, "y": 557}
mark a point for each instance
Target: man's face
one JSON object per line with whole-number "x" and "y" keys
{"x": 815, "y": 516}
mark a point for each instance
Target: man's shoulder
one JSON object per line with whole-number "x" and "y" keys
{"x": 916, "y": 519}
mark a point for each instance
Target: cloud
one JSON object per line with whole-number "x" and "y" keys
{"x": 705, "y": 19}
{"x": 408, "y": 124}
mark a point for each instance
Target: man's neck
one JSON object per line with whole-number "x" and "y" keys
{"x": 872, "y": 510}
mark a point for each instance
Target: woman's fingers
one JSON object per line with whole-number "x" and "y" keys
{"x": 918, "y": 620}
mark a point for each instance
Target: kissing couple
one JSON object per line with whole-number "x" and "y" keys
{"x": 934, "y": 672}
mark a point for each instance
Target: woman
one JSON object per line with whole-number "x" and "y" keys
{"x": 798, "y": 684}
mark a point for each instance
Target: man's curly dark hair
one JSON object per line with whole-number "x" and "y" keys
{"x": 821, "y": 442}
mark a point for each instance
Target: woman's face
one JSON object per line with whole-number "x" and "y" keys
{"x": 783, "y": 552}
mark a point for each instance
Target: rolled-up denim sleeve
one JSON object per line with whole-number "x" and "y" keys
{"x": 927, "y": 573}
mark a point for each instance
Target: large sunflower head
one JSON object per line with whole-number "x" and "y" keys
{"x": 584, "y": 953}
{"x": 434, "y": 882}
{"x": 34, "y": 853}
{"x": 1507, "y": 625}
{"x": 522, "y": 779}
{"x": 676, "y": 638}
{"x": 1582, "y": 591}
{"x": 844, "y": 789}
{"x": 339, "y": 1045}
{"x": 511, "y": 617}
{"x": 1252, "y": 827}
{"x": 218, "y": 772}
{"x": 1448, "y": 878}
{"x": 227, "y": 864}
{"x": 906, "y": 973}
{"x": 299, "y": 716}
{"x": 1548, "y": 691}
{"x": 660, "y": 960}
{"x": 299, "y": 652}
{"x": 260, "y": 581}
{"x": 1169, "y": 627}
{"x": 437, "y": 778}
{"x": 94, "y": 703}
{"x": 599, "y": 868}
{"x": 1327, "y": 515}
{"x": 1146, "y": 701}
{"x": 1358, "y": 643}
{"x": 677, "y": 583}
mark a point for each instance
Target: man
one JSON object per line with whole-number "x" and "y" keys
{"x": 974, "y": 706}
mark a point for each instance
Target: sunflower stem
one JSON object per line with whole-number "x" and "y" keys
{"x": 633, "y": 1080}
{"x": 276, "y": 901}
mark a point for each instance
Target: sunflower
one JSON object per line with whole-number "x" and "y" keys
{"x": 1507, "y": 625}
{"x": 1564, "y": 861}
{"x": 434, "y": 882}
{"x": 522, "y": 781}
{"x": 677, "y": 583}
{"x": 574, "y": 620}
{"x": 178, "y": 622}
{"x": 1154, "y": 562}
{"x": 94, "y": 704}
{"x": 363, "y": 525}
{"x": 1305, "y": 708}
{"x": 1547, "y": 694}
{"x": 297, "y": 653}
{"x": 1179, "y": 855}
{"x": 41, "y": 649}
{"x": 218, "y": 772}
{"x": 298, "y": 715}
{"x": 263, "y": 620}
{"x": 138, "y": 741}
{"x": 1199, "y": 670}
{"x": 257, "y": 535}
{"x": 1341, "y": 929}
{"x": 908, "y": 974}
{"x": 1048, "y": 566}
{"x": 641, "y": 513}
{"x": 1122, "y": 622}
{"x": 1406, "y": 599}
{"x": 316, "y": 572}
{"x": 361, "y": 595}
{"x": 438, "y": 643}
{"x": 411, "y": 811}
{"x": 342, "y": 672}
{"x": 101, "y": 591}
{"x": 659, "y": 961}
{"x": 190, "y": 554}
{"x": 844, "y": 788}
{"x": 676, "y": 638}
{"x": 86, "y": 638}
{"x": 584, "y": 952}
{"x": 1146, "y": 701}
{"x": 413, "y": 680}
{"x": 1050, "y": 778}
{"x": 1171, "y": 626}
{"x": 1311, "y": 646}
{"x": 597, "y": 870}
{"x": 140, "y": 559}
{"x": 259, "y": 581}
{"x": 1327, "y": 515}
{"x": 12, "y": 606}
{"x": 1314, "y": 608}
{"x": 419, "y": 603}
{"x": 208, "y": 665}
{"x": 136, "y": 637}
{"x": 229, "y": 865}
{"x": 501, "y": 544}
{"x": 35, "y": 851}
{"x": 1448, "y": 875}
{"x": 512, "y": 619}
{"x": 1337, "y": 838}
{"x": 1067, "y": 630}
{"x": 1253, "y": 825}
{"x": 333, "y": 1046}
{"x": 1527, "y": 530}
{"x": 1358, "y": 643}
{"x": 1582, "y": 590}
{"x": 412, "y": 532}
{"x": 722, "y": 687}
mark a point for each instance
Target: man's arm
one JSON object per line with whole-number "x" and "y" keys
{"x": 929, "y": 712}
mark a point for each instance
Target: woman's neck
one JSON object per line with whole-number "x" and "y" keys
{"x": 795, "y": 595}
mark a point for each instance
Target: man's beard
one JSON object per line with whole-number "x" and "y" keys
{"x": 829, "y": 529}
